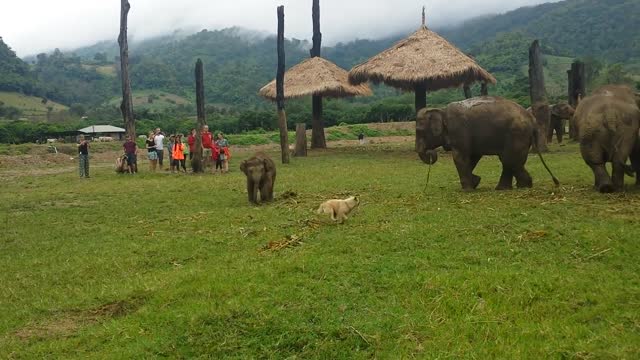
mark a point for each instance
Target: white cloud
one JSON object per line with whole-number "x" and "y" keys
{"x": 31, "y": 26}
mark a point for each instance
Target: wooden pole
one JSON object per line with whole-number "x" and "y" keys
{"x": 467, "y": 92}
{"x": 318, "y": 140}
{"x": 577, "y": 87}
{"x": 421, "y": 97}
{"x": 282, "y": 115}
{"x": 126, "y": 107}
{"x": 301, "y": 140}
{"x": 197, "y": 163}
{"x": 539, "y": 103}
{"x": 484, "y": 89}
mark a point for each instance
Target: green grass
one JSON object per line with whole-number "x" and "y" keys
{"x": 29, "y": 105}
{"x": 173, "y": 266}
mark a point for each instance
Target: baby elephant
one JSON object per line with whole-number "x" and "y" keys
{"x": 261, "y": 177}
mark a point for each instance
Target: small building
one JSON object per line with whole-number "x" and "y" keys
{"x": 98, "y": 132}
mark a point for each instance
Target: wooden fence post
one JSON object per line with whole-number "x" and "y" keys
{"x": 282, "y": 115}
{"x": 539, "y": 103}
{"x": 301, "y": 140}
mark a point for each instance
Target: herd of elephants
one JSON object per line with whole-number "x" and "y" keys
{"x": 607, "y": 124}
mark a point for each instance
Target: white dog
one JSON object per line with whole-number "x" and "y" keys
{"x": 339, "y": 209}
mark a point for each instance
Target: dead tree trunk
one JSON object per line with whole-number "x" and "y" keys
{"x": 484, "y": 89}
{"x": 577, "y": 89}
{"x": 197, "y": 163}
{"x": 539, "y": 103}
{"x": 301, "y": 140}
{"x": 282, "y": 115}
{"x": 421, "y": 97}
{"x": 126, "y": 107}
{"x": 318, "y": 140}
{"x": 467, "y": 92}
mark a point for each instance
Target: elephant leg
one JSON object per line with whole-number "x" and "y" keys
{"x": 266, "y": 191}
{"x": 560, "y": 131}
{"x": 506, "y": 178}
{"x": 617, "y": 176}
{"x": 550, "y": 132}
{"x": 475, "y": 178}
{"x": 635, "y": 164}
{"x": 251, "y": 192}
{"x": 463, "y": 165}
{"x": 602, "y": 178}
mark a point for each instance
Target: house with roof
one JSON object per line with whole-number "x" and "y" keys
{"x": 103, "y": 131}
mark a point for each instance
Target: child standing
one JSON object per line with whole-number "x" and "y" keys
{"x": 178, "y": 155}
{"x": 83, "y": 157}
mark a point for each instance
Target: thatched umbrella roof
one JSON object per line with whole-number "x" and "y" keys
{"x": 316, "y": 76}
{"x": 423, "y": 59}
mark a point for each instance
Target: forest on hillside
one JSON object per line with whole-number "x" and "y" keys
{"x": 238, "y": 62}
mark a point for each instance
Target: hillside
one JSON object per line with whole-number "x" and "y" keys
{"x": 30, "y": 106}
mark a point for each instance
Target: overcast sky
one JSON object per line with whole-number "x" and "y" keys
{"x": 32, "y": 26}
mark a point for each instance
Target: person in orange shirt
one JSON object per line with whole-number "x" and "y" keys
{"x": 178, "y": 155}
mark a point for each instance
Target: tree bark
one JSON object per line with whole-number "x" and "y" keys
{"x": 318, "y": 140}
{"x": 421, "y": 97}
{"x": 126, "y": 107}
{"x": 301, "y": 140}
{"x": 282, "y": 115}
{"x": 467, "y": 92}
{"x": 577, "y": 90}
{"x": 197, "y": 163}
{"x": 539, "y": 103}
{"x": 484, "y": 89}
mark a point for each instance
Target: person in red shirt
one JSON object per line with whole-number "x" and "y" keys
{"x": 192, "y": 143}
{"x": 131, "y": 150}
{"x": 207, "y": 147}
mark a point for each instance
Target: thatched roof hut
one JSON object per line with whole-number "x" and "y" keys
{"x": 424, "y": 61}
{"x": 316, "y": 76}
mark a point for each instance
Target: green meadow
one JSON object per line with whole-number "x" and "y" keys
{"x": 181, "y": 266}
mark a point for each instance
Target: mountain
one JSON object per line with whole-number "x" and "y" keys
{"x": 14, "y": 73}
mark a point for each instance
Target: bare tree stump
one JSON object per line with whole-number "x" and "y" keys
{"x": 126, "y": 107}
{"x": 301, "y": 140}
{"x": 484, "y": 89}
{"x": 539, "y": 103}
{"x": 197, "y": 163}
{"x": 318, "y": 140}
{"x": 282, "y": 115}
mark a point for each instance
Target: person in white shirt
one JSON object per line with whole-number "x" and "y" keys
{"x": 159, "y": 139}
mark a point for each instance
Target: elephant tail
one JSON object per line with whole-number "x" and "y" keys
{"x": 536, "y": 135}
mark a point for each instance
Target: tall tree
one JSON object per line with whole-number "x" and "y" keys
{"x": 126, "y": 107}
{"x": 196, "y": 162}
{"x": 318, "y": 140}
{"x": 539, "y": 103}
{"x": 282, "y": 115}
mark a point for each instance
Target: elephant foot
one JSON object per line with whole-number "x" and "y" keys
{"x": 475, "y": 181}
{"x": 606, "y": 188}
{"x": 524, "y": 183}
{"x": 629, "y": 171}
{"x": 503, "y": 187}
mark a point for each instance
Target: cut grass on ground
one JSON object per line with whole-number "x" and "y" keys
{"x": 156, "y": 265}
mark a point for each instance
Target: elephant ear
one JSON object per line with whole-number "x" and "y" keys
{"x": 243, "y": 167}
{"x": 436, "y": 121}
{"x": 268, "y": 165}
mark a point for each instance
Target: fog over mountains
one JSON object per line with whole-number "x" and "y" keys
{"x": 33, "y": 26}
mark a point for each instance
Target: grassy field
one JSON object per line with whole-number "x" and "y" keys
{"x": 180, "y": 266}
{"x": 29, "y": 105}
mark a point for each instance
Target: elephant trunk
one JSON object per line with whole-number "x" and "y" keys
{"x": 429, "y": 157}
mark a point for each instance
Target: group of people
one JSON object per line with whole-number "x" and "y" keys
{"x": 215, "y": 151}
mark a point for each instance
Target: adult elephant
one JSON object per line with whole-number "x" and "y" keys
{"x": 607, "y": 123}
{"x": 261, "y": 177}
{"x": 560, "y": 113}
{"x": 477, "y": 127}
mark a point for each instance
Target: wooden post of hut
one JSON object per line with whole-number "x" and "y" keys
{"x": 282, "y": 115}
{"x": 301, "y": 140}
{"x": 577, "y": 89}
{"x": 484, "y": 89}
{"x": 126, "y": 107}
{"x": 539, "y": 103}
{"x": 467, "y": 91}
{"x": 197, "y": 163}
{"x": 318, "y": 140}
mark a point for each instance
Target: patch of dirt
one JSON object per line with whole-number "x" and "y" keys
{"x": 66, "y": 324}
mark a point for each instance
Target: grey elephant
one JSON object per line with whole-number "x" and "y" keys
{"x": 261, "y": 177}
{"x": 477, "y": 127}
{"x": 560, "y": 113}
{"x": 607, "y": 124}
